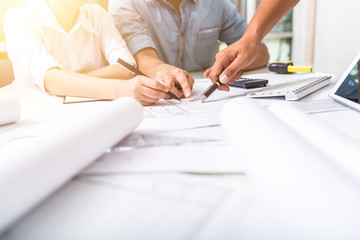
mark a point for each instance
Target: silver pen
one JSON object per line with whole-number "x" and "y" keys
{"x": 209, "y": 91}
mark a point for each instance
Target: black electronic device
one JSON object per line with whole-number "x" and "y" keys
{"x": 249, "y": 83}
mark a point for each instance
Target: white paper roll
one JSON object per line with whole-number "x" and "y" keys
{"x": 272, "y": 151}
{"x": 304, "y": 195}
{"x": 33, "y": 168}
{"x": 9, "y": 109}
{"x": 338, "y": 149}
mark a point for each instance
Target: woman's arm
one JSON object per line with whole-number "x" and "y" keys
{"x": 112, "y": 71}
{"x": 66, "y": 83}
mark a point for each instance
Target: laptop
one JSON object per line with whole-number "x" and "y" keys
{"x": 347, "y": 89}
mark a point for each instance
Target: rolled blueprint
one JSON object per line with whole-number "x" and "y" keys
{"x": 33, "y": 168}
{"x": 9, "y": 109}
{"x": 305, "y": 196}
{"x": 339, "y": 150}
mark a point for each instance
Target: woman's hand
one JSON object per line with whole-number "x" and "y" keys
{"x": 146, "y": 90}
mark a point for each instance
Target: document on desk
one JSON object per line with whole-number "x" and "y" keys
{"x": 135, "y": 207}
{"x": 345, "y": 123}
{"x": 298, "y": 137}
{"x": 169, "y": 115}
{"x": 176, "y": 137}
{"x": 336, "y": 117}
{"x": 307, "y": 174}
{"x": 202, "y": 150}
{"x": 34, "y": 166}
{"x": 319, "y": 106}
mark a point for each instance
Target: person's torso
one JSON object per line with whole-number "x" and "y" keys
{"x": 80, "y": 48}
{"x": 186, "y": 40}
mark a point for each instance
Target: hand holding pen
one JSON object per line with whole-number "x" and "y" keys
{"x": 213, "y": 87}
{"x": 137, "y": 72}
{"x": 210, "y": 90}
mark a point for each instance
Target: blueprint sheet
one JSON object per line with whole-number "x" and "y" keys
{"x": 176, "y": 137}
{"x": 131, "y": 207}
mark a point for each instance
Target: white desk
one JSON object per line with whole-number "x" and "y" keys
{"x": 139, "y": 205}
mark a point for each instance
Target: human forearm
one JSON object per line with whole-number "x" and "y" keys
{"x": 112, "y": 72}
{"x": 231, "y": 61}
{"x": 65, "y": 83}
{"x": 148, "y": 62}
{"x": 261, "y": 59}
{"x": 268, "y": 13}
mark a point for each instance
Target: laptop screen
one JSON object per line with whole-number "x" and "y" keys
{"x": 350, "y": 88}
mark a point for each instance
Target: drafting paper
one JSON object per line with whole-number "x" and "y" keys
{"x": 170, "y": 115}
{"x": 340, "y": 150}
{"x": 155, "y": 149}
{"x": 307, "y": 196}
{"x": 318, "y": 106}
{"x": 197, "y": 150}
{"x": 137, "y": 207}
{"x": 9, "y": 109}
{"x": 34, "y": 167}
{"x": 187, "y": 155}
{"x": 344, "y": 123}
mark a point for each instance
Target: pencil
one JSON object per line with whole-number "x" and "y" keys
{"x": 138, "y": 72}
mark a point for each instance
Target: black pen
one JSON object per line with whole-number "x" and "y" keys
{"x": 210, "y": 90}
{"x": 137, "y": 72}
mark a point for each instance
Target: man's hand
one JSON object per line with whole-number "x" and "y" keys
{"x": 223, "y": 87}
{"x": 231, "y": 61}
{"x": 180, "y": 81}
{"x": 146, "y": 90}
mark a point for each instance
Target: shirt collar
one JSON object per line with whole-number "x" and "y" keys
{"x": 48, "y": 18}
{"x": 85, "y": 21}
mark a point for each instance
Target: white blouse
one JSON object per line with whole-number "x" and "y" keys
{"x": 36, "y": 42}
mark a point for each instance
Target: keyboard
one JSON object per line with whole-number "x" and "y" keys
{"x": 293, "y": 90}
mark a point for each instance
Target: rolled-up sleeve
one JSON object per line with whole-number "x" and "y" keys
{"x": 131, "y": 25}
{"x": 112, "y": 43}
{"x": 233, "y": 25}
{"x": 25, "y": 48}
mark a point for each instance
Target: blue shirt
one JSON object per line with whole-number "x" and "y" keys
{"x": 185, "y": 40}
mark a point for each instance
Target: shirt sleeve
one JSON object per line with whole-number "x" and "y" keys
{"x": 112, "y": 43}
{"x": 233, "y": 25}
{"x": 25, "y": 48}
{"x": 131, "y": 25}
